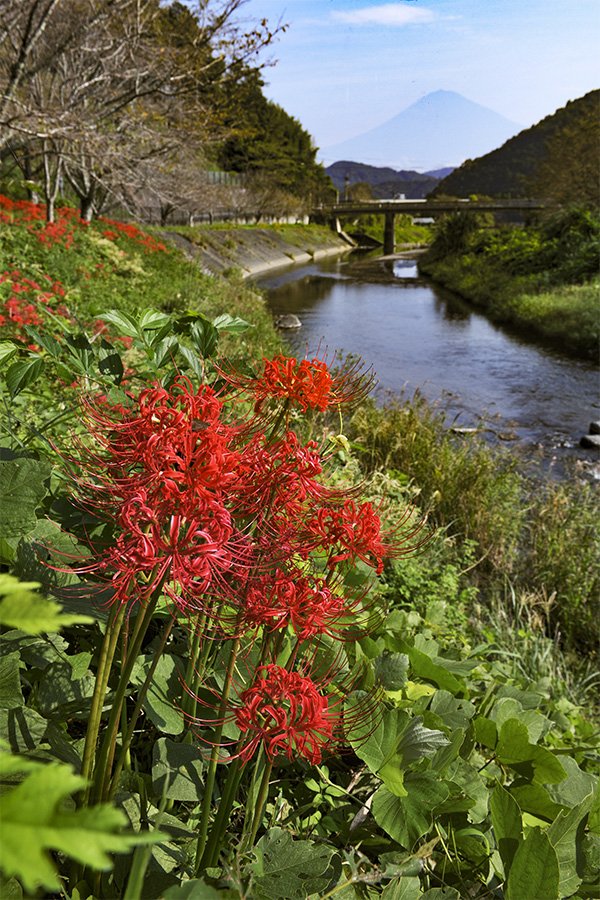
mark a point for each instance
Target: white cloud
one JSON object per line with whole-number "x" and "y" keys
{"x": 394, "y": 14}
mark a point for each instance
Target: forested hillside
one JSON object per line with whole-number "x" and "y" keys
{"x": 555, "y": 159}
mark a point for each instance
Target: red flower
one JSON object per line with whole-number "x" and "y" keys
{"x": 310, "y": 607}
{"x": 284, "y": 712}
{"x": 309, "y": 384}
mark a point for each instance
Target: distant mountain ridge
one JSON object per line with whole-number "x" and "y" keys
{"x": 506, "y": 171}
{"x": 439, "y": 130}
{"x": 384, "y": 181}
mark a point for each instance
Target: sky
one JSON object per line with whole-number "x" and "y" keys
{"x": 345, "y": 66}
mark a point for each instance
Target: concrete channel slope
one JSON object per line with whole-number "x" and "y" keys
{"x": 254, "y": 250}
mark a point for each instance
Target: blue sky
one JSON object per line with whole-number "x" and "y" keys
{"x": 345, "y": 66}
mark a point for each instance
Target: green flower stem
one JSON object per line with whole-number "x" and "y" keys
{"x": 107, "y": 653}
{"x": 263, "y": 792}
{"x": 214, "y": 759}
{"x": 128, "y": 734}
{"x": 211, "y": 851}
{"x": 107, "y": 748}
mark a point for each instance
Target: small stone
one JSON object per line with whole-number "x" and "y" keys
{"x": 590, "y": 441}
{"x": 290, "y": 321}
{"x": 594, "y": 428}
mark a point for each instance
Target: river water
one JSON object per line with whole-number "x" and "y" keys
{"x": 420, "y": 337}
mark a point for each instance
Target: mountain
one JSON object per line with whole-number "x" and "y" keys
{"x": 564, "y": 145}
{"x": 442, "y": 129}
{"x": 384, "y": 181}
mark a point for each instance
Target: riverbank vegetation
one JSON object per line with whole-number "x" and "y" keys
{"x": 422, "y": 727}
{"x": 542, "y": 278}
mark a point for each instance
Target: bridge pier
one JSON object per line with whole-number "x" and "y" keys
{"x": 388, "y": 234}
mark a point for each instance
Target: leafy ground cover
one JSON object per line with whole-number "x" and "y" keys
{"x": 540, "y": 279}
{"x": 237, "y": 662}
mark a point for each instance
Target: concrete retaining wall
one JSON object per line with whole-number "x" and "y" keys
{"x": 256, "y": 250}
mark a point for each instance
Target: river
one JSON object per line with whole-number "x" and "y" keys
{"x": 420, "y": 337}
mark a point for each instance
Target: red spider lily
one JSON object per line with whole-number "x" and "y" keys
{"x": 308, "y": 384}
{"x": 355, "y": 532}
{"x": 308, "y": 605}
{"x": 286, "y": 714}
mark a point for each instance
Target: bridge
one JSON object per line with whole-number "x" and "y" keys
{"x": 422, "y": 208}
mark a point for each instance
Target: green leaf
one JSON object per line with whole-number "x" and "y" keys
{"x": 290, "y": 870}
{"x": 45, "y": 340}
{"x": 59, "y": 695}
{"x": 454, "y": 713}
{"x": 225, "y": 322}
{"x": 566, "y": 835}
{"x": 417, "y": 741}
{"x": 21, "y": 608}
{"x": 205, "y": 336}
{"x": 7, "y": 350}
{"x": 391, "y": 670}
{"x": 177, "y": 771}
{"x": 507, "y": 824}
{"x": 534, "y": 872}
{"x": 191, "y": 356}
{"x": 165, "y": 686}
{"x": 11, "y": 695}
{"x": 23, "y": 728}
{"x": 197, "y": 889}
{"x": 21, "y": 374}
{"x": 515, "y": 750}
{"x": 112, "y": 364}
{"x": 152, "y": 320}
{"x": 441, "y": 893}
{"x": 376, "y": 744}
{"x": 124, "y": 322}
{"x": 35, "y": 821}
{"x": 22, "y": 488}
{"x": 434, "y": 670}
{"x": 165, "y": 351}
{"x": 403, "y": 889}
{"x": 408, "y": 818}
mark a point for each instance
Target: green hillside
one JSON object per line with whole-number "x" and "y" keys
{"x": 557, "y": 158}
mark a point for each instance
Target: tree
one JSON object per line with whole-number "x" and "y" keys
{"x": 105, "y": 90}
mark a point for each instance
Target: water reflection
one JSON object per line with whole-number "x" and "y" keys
{"x": 419, "y": 337}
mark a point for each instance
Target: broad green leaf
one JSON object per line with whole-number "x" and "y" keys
{"x": 159, "y": 703}
{"x": 433, "y": 670}
{"x": 441, "y": 893}
{"x": 417, "y": 741}
{"x": 464, "y": 776}
{"x": 507, "y": 824}
{"x": 152, "y": 320}
{"x": 509, "y": 708}
{"x": 286, "y": 869}
{"x": 60, "y": 695}
{"x": 196, "y": 889}
{"x": 22, "y": 608}
{"x": 21, "y": 374}
{"x": 165, "y": 351}
{"x": 11, "y": 695}
{"x": 534, "y": 872}
{"x": 124, "y": 322}
{"x": 45, "y": 340}
{"x": 515, "y": 750}
{"x": 576, "y": 786}
{"x": 376, "y": 744}
{"x": 566, "y": 834}
{"x": 22, "y": 488}
{"x": 177, "y": 771}
{"x": 454, "y": 713}
{"x": 111, "y": 364}
{"x": 408, "y": 818}
{"x": 391, "y": 670}
{"x": 535, "y": 799}
{"x": 403, "y": 889}
{"x": 35, "y": 822}
{"x": 7, "y": 350}
{"x": 10, "y": 889}
{"x": 205, "y": 336}
{"x": 23, "y": 728}
{"x": 235, "y": 325}
{"x": 193, "y": 360}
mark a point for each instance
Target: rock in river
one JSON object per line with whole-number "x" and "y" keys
{"x": 289, "y": 321}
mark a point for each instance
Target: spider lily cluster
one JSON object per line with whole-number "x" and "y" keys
{"x": 217, "y": 507}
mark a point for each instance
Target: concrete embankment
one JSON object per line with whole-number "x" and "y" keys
{"x": 256, "y": 249}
